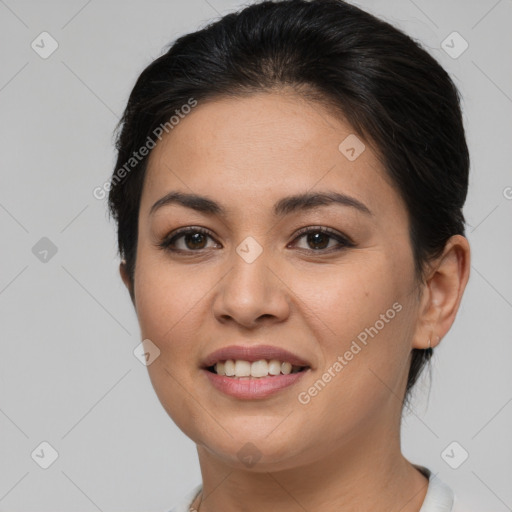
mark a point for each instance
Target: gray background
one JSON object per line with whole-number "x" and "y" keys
{"x": 68, "y": 375}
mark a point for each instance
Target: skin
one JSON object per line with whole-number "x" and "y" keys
{"x": 341, "y": 451}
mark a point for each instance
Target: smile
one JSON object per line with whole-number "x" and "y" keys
{"x": 257, "y": 369}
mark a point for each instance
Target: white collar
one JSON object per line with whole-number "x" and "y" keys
{"x": 439, "y": 497}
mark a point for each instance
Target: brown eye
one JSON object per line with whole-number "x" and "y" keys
{"x": 318, "y": 240}
{"x": 195, "y": 240}
{"x": 188, "y": 239}
{"x": 321, "y": 239}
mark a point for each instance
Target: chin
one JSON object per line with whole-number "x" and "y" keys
{"x": 257, "y": 457}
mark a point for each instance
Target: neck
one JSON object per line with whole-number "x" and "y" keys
{"x": 367, "y": 473}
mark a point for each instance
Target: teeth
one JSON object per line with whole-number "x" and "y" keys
{"x": 286, "y": 368}
{"x": 229, "y": 368}
{"x": 274, "y": 367}
{"x": 220, "y": 368}
{"x": 257, "y": 369}
{"x": 242, "y": 369}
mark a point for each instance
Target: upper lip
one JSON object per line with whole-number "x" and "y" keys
{"x": 253, "y": 353}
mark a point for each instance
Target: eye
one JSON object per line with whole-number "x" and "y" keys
{"x": 195, "y": 239}
{"x": 189, "y": 239}
{"x": 319, "y": 238}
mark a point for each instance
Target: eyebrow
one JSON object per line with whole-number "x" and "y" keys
{"x": 284, "y": 206}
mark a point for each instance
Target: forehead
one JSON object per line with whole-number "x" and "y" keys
{"x": 263, "y": 145}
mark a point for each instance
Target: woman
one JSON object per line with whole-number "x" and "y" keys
{"x": 288, "y": 192}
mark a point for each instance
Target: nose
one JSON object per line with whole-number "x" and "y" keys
{"x": 251, "y": 294}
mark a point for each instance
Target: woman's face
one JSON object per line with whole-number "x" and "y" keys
{"x": 349, "y": 310}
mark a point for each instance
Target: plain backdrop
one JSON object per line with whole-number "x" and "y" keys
{"x": 68, "y": 374}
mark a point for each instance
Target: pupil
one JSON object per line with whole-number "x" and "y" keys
{"x": 316, "y": 238}
{"x": 196, "y": 238}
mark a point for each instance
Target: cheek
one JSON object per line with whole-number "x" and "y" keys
{"x": 169, "y": 303}
{"x": 348, "y": 298}
{"x": 362, "y": 314}
{"x": 169, "y": 299}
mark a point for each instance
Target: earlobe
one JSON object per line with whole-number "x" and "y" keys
{"x": 443, "y": 293}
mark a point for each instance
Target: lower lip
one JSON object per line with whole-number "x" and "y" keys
{"x": 248, "y": 388}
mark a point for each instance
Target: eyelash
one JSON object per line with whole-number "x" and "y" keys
{"x": 344, "y": 242}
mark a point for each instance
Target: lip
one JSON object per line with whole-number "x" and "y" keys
{"x": 249, "y": 388}
{"x": 253, "y": 353}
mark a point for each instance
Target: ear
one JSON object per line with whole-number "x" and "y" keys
{"x": 123, "y": 270}
{"x": 442, "y": 293}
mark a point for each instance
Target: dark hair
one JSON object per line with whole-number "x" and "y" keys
{"x": 393, "y": 93}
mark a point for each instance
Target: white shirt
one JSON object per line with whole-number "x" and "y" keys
{"x": 439, "y": 497}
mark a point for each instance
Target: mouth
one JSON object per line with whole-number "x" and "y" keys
{"x": 253, "y": 372}
{"x": 262, "y": 368}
